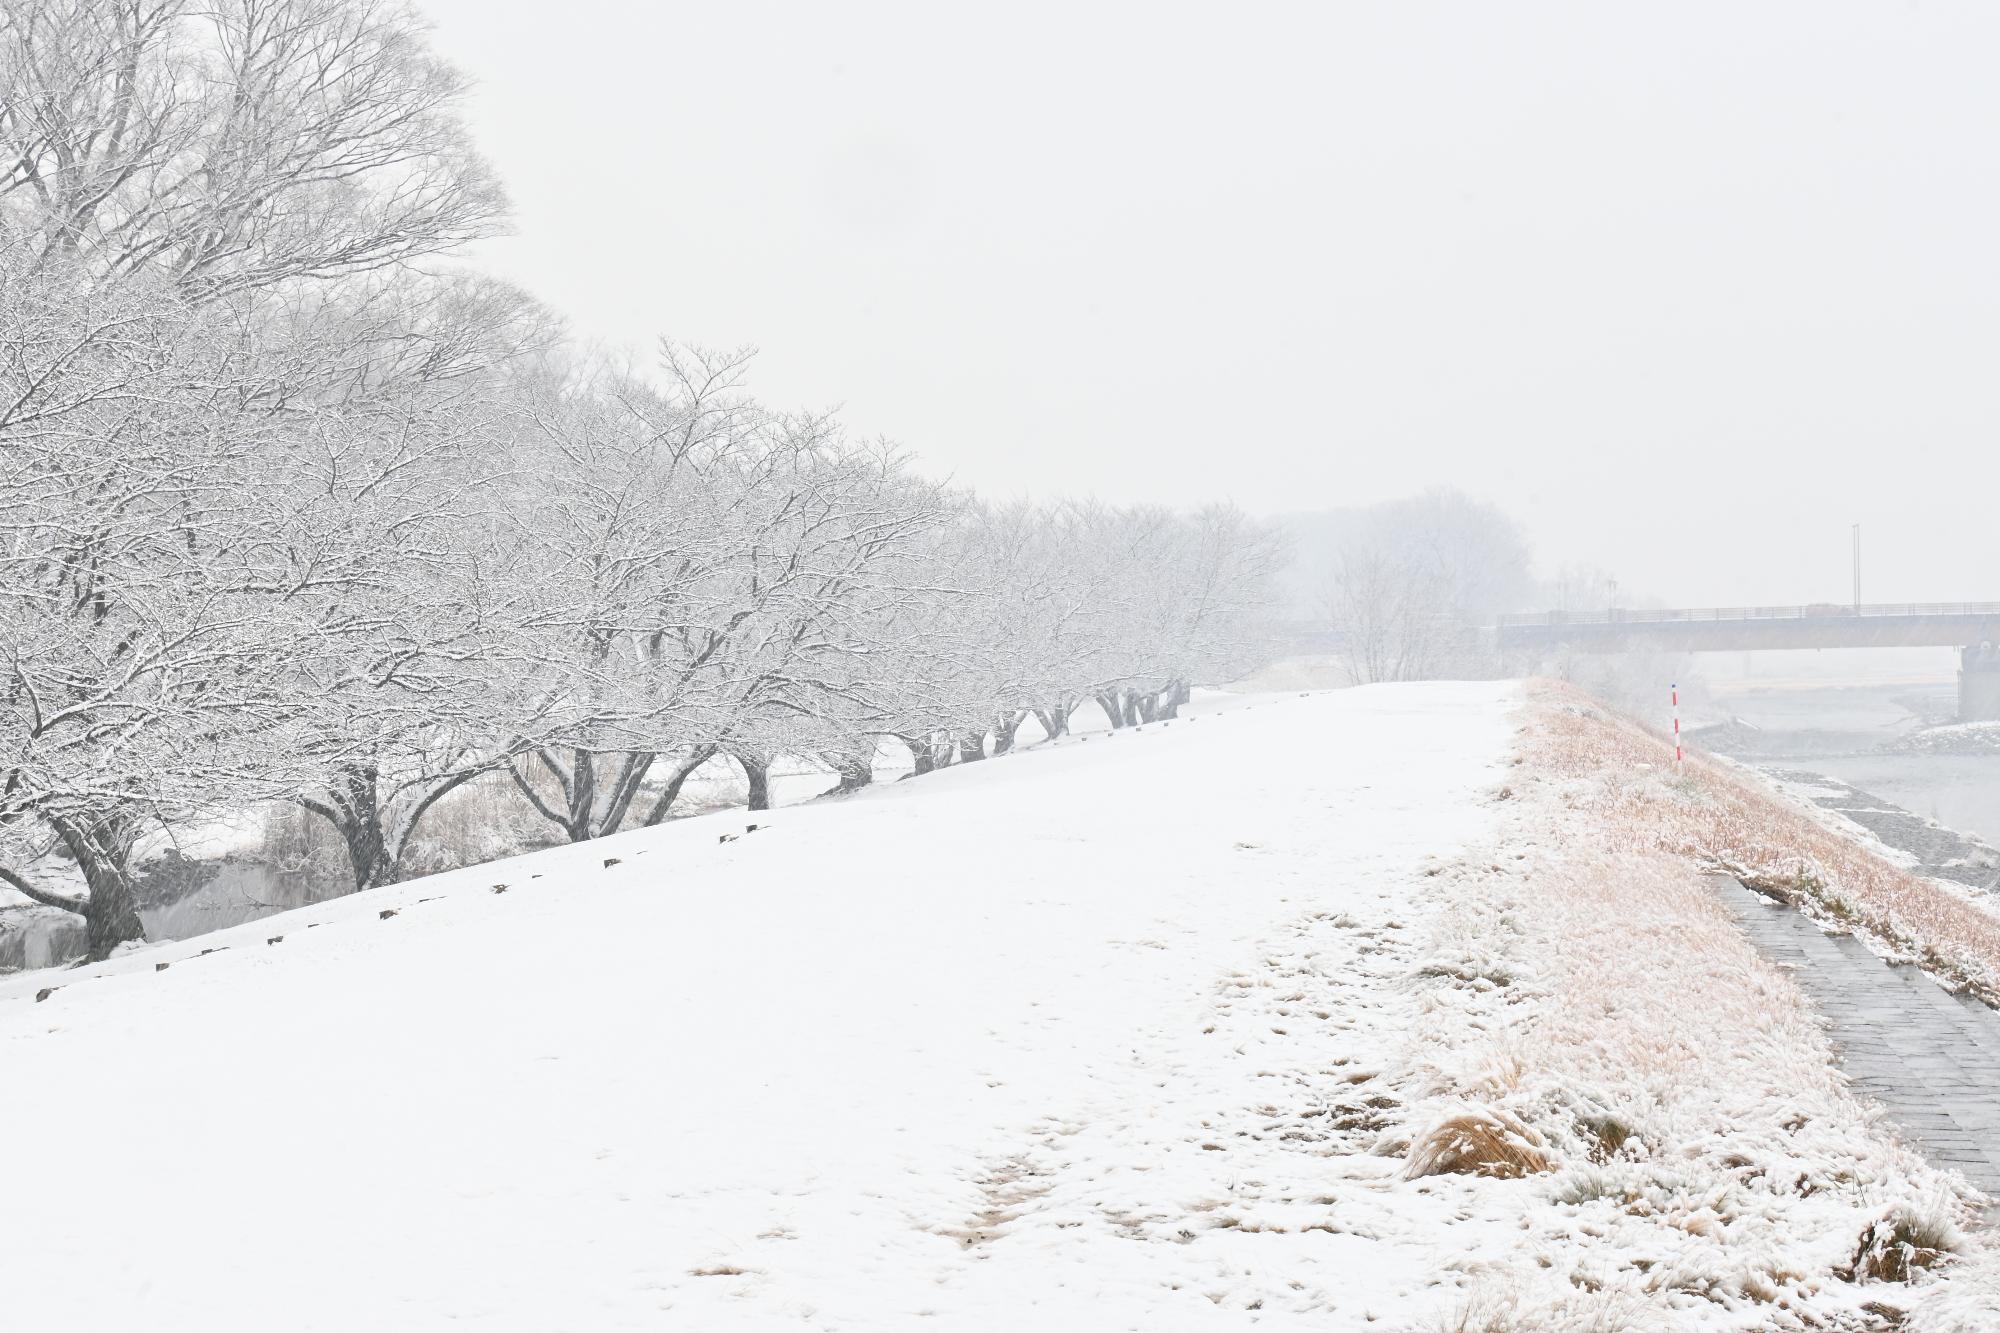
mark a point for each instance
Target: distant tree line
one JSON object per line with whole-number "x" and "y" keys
{"x": 1412, "y": 586}
{"x": 292, "y": 511}
{"x": 1408, "y": 583}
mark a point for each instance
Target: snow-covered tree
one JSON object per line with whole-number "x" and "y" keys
{"x": 149, "y": 578}
{"x": 419, "y": 646}
{"x": 194, "y": 479}
{"x": 1410, "y": 581}
{"x": 232, "y": 144}
{"x": 703, "y": 571}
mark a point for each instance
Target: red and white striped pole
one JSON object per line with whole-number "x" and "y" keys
{"x": 1677, "y": 726}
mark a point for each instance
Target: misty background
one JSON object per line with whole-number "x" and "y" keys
{"x": 1614, "y": 305}
{"x": 1684, "y": 290}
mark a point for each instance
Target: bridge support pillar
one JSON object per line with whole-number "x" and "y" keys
{"x": 1979, "y": 684}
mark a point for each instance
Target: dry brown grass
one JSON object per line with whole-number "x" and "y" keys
{"x": 1675, "y": 1087}
{"x": 1725, "y": 819}
{"x": 1901, "y": 1243}
{"x": 1478, "y": 1141}
{"x": 1573, "y": 1312}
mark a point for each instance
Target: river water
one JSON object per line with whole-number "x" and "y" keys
{"x": 1855, "y": 736}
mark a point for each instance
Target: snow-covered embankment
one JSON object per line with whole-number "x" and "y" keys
{"x": 948, "y": 1047}
{"x": 1159, "y": 1030}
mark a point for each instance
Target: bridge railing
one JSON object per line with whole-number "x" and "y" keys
{"x": 1813, "y": 611}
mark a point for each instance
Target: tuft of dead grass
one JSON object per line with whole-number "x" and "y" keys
{"x": 1902, "y": 1241}
{"x": 1516, "y": 1312}
{"x": 1606, "y": 1134}
{"x": 1478, "y": 1141}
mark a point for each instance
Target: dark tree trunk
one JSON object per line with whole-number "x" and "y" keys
{"x": 353, "y": 805}
{"x": 922, "y": 760}
{"x": 1004, "y": 728}
{"x": 364, "y": 850}
{"x": 972, "y": 748}
{"x": 582, "y": 797}
{"x": 1054, "y": 720}
{"x": 758, "y": 773}
{"x": 671, "y": 792}
{"x": 1131, "y": 708}
{"x": 1176, "y": 695}
{"x": 579, "y": 792}
{"x": 1114, "y": 708}
{"x": 355, "y": 813}
{"x": 632, "y": 773}
{"x": 392, "y": 869}
{"x": 1148, "y": 706}
{"x": 856, "y": 772}
{"x": 111, "y": 916}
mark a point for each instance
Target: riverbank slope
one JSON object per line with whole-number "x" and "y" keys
{"x": 1317, "y": 1012}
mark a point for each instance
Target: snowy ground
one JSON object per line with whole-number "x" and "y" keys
{"x": 1120, "y": 1033}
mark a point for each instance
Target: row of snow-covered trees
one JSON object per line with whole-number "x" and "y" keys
{"x": 291, "y": 512}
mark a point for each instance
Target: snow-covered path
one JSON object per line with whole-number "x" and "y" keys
{"x": 1070, "y": 1033}
{"x": 1930, "y": 1057}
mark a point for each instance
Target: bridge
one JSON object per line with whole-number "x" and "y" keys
{"x": 1971, "y": 627}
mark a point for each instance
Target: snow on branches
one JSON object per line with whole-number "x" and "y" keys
{"x": 285, "y": 518}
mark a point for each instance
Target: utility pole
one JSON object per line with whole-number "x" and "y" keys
{"x": 1857, "y": 569}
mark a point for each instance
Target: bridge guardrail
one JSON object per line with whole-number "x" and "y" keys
{"x": 1813, "y": 611}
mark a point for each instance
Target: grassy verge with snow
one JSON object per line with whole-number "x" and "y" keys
{"x": 1718, "y": 815}
{"x": 1658, "y": 1088}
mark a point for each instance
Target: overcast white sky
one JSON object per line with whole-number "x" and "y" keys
{"x": 1687, "y": 288}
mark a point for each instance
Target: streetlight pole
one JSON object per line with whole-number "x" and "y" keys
{"x": 1857, "y": 569}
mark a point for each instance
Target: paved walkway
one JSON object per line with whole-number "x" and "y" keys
{"x": 1931, "y": 1058}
